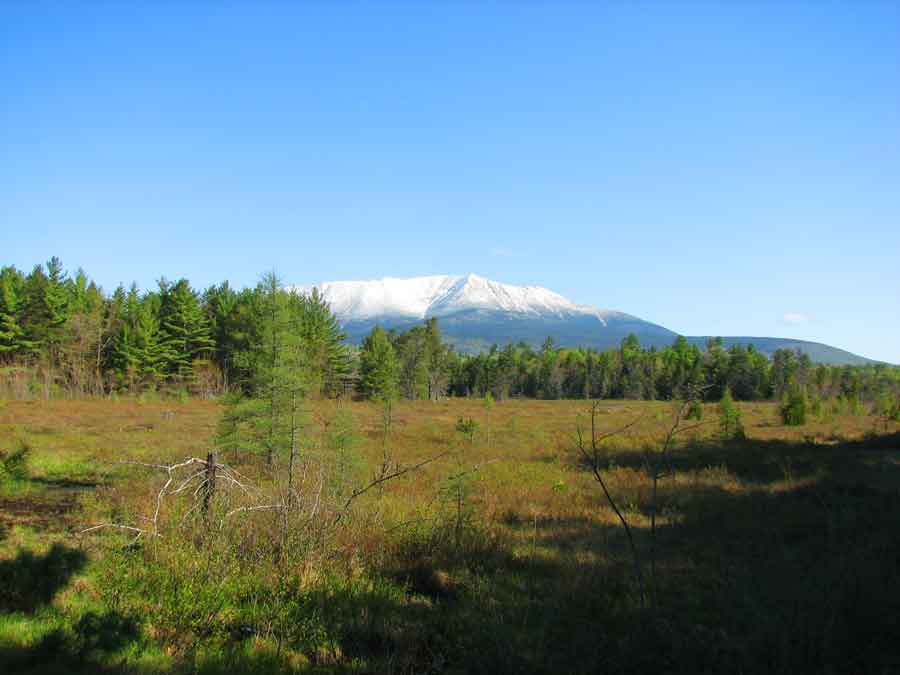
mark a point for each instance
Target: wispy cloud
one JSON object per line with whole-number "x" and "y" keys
{"x": 795, "y": 318}
{"x": 501, "y": 252}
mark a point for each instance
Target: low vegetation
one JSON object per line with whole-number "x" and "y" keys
{"x": 775, "y": 552}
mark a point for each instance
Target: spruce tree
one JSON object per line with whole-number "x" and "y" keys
{"x": 322, "y": 338}
{"x": 379, "y": 368}
{"x": 437, "y": 358}
{"x": 44, "y": 308}
{"x": 12, "y": 335}
{"x": 730, "y": 425}
{"x": 269, "y": 419}
{"x": 793, "y": 405}
{"x": 57, "y": 305}
{"x": 149, "y": 348}
{"x": 185, "y": 328}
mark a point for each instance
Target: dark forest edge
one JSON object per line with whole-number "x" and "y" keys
{"x": 62, "y": 336}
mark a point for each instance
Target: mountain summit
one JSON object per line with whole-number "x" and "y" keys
{"x": 443, "y": 295}
{"x": 476, "y": 313}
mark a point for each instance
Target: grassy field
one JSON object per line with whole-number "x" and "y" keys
{"x": 777, "y": 553}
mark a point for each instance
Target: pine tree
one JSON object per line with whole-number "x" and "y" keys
{"x": 151, "y": 352}
{"x": 12, "y": 335}
{"x": 437, "y": 358}
{"x": 44, "y": 311}
{"x": 185, "y": 328}
{"x": 411, "y": 349}
{"x": 794, "y": 404}
{"x": 730, "y": 425}
{"x": 379, "y": 367}
{"x": 322, "y": 338}
{"x": 220, "y": 305}
{"x": 57, "y": 304}
{"x": 269, "y": 420}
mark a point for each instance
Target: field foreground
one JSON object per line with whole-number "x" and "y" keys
{"x": 777, "y": 553}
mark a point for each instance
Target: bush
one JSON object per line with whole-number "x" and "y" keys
{"x": 730, "y": 425}
{"x": 695, "y": 410}
{"x": 793, "y": 407}
{"x": 815, "y": 406}
{"x": 14, "y": 465}
{"x": 887, "y": 406}
{"x": 467, "y": 427}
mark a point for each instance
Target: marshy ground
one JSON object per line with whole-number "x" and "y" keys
{"x": 777, "y": 553}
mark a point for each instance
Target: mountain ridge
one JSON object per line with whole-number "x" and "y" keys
{"x": 476, "y": 312}
{"x": 441, "y": 295}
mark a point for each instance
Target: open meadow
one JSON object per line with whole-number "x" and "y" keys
{"x": 778, "y": 552}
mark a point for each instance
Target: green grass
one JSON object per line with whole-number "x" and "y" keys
{"x": 778, "y": 553}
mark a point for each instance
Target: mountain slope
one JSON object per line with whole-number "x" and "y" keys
{"x": 818, "y": 352}
{"x": 422, "y": 297}
{"x": 475, "y": 313}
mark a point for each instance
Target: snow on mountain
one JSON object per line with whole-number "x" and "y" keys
{"x": 443, "y": 295}
{"x": 477, "y": 313}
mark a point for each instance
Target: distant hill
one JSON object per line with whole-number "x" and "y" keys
{"x": 818, "y": 352}
{"x": 475, "y": 313}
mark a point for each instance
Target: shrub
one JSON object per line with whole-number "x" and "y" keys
{"x": 730, "y": 425}
{"x": 815, "y": 406}
{"x": 887, "y": 406}
{"x": 793, "y": 407}
{"x": 14, "y": 465}
{"x": 467, "y": 427}
{"x": 695, "y": 410}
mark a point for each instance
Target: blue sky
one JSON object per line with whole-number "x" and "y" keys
{"x": 719, "y": 168}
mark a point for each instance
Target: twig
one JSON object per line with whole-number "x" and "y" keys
{"x": 387, "y": 475}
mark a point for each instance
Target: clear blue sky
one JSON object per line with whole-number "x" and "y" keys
{"x": 724, "y": 168}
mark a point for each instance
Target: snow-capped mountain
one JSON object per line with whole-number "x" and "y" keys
{"x": 476, "y": 313}
{"x": 443, "y": 295}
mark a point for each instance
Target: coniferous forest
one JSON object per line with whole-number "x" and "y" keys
{"x": 62, "y": 335}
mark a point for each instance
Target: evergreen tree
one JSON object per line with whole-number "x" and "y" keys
{"x": 325, "y": 354}
{"x": 44, "y": 311}
{"x": 268, "y": 416}
{"x": 437, "y": 358}
{"x": 730, "y": 425}
{"x": 793, "y": 405}
{"x": 150, "y": 352}
{"x": 12, "y": 335}
{"x": 184, "y": 326}
{"x": 379, "y": 368}
{"x": 222, "y": 309}
{"x": 411, "y": 349}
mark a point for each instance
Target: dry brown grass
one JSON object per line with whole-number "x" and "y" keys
{"x": 544, "y": 558}
{"x": 526, "y": 476}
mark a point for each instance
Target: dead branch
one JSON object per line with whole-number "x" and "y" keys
{"x": 593, "y": 459}
{"x": 388, "y": 474}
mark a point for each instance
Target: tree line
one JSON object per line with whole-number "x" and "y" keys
{"x": 61, "y": 334}
{"x": 635, "y": 372}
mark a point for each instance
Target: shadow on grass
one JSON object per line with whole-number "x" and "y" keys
{"x": 794, "y": 578}
{"x": 764, "y": 462}
{"x": 87, "y": 646}
{"x": 802, "y": 576}
{"x": 29, "y": 581}
{"x": 65, "y": 483}
{"x": 28, "y": 584}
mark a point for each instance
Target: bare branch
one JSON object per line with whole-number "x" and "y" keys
{"x": 387, "y": 474}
